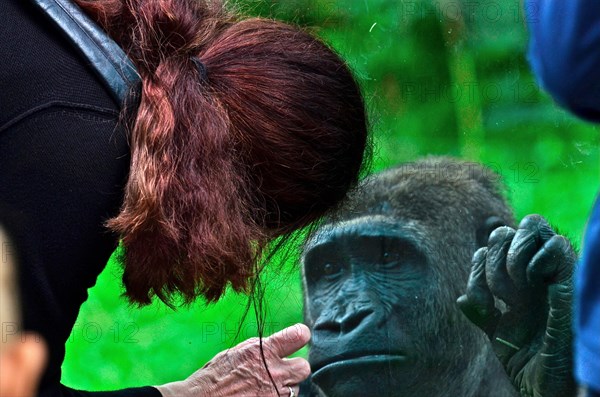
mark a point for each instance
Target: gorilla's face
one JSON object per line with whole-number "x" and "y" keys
{"x": 381, "y": 310}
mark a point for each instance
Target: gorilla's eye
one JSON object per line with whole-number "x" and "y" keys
{"x": 330, "y": 269}
{"x": 388, "y": 260}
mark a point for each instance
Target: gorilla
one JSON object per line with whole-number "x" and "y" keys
{"x": 382, "y": 276}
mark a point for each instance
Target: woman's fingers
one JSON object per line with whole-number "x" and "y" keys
{"x": 285, "y": 391}
{"x": 288, "y": 340}
{"x": 288, "y": 372}
{"x": 297, "y": 370}
{"x": 290, "y": 375}
{"x": 242, "y": 370}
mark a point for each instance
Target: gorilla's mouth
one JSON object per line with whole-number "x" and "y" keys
{"x": 358, "y": 359}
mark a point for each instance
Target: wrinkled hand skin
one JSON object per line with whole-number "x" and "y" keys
{"x": 240, "y": 371}
{"x": 531, "y": 270}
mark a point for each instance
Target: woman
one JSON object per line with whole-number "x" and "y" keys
{"x": 246, "y": 130}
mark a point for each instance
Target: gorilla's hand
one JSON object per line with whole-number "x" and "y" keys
{"x": 530, "y": 270}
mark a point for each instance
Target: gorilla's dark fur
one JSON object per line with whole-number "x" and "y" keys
{"x": 381, "y": 281}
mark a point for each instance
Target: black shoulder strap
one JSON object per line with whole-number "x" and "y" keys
{"x": 105, "y": 56}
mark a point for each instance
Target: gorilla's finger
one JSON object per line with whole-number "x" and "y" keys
{"x": 539, "y": 225}
{"x": 534, "y": 231}
{"x": 553, "y": 263}
{"x": 498, "y": 280}
{"x": 478, "y": 302}
{"x": 558, "y": 338}
{"x": 522, "y": 249}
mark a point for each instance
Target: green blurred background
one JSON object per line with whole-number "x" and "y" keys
{"x": 440, "y": 77}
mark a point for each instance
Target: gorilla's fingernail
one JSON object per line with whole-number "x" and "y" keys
{"x": 499, "y": 235}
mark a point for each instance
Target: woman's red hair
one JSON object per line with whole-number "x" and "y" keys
{"x": 267, "y": 143}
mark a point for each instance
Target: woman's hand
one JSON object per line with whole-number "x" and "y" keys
{"x": 240, "y": 371}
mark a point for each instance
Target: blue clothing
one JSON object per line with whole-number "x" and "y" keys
{"x": 565, "y": 55}
{"x": 592, "y": 393}
{"x": 564, "y": 52}
{"x": 587, "y": 315}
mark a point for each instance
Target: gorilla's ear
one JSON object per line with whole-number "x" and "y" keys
{"x": 486, "y": 228}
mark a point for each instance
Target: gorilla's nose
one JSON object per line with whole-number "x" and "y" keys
{"x": 346, "y": 323}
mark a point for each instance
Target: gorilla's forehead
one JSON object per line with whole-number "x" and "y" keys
{"x": 368, "y": 226}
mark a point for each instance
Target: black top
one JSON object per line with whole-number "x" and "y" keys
{"x": 63, "y": 165}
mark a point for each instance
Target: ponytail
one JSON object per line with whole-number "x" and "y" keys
{"x": 246, "y": 130}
